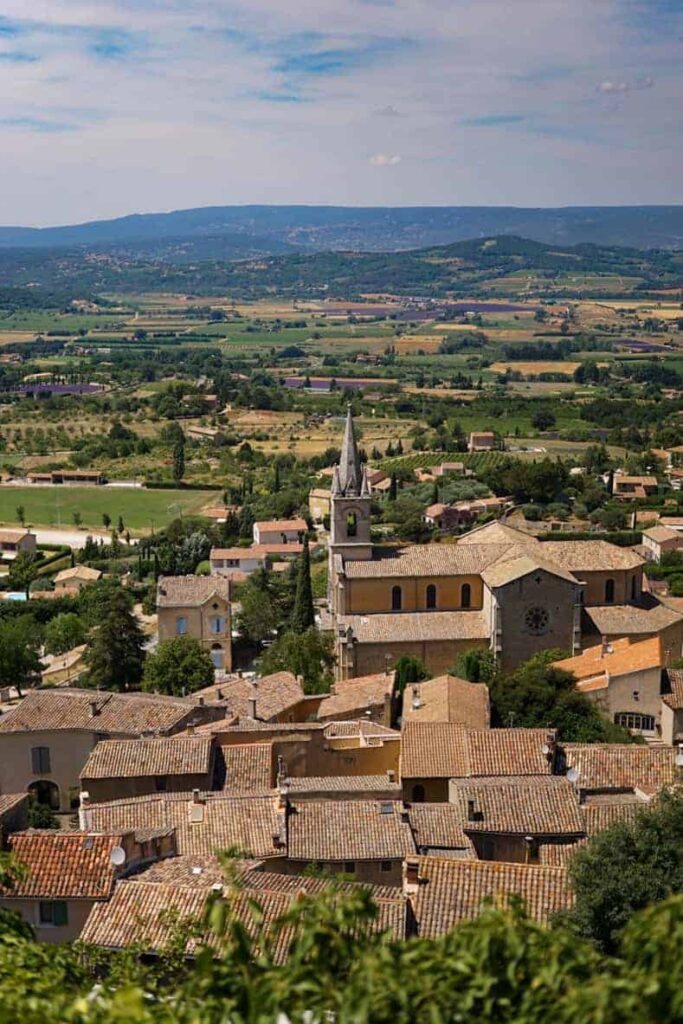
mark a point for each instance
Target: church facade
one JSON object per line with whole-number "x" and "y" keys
{"x": 495, "y": 588}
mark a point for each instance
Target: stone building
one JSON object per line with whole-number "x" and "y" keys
{"x": 197, "y": 606}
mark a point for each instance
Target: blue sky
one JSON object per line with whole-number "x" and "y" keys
{"x": 115, "y": 106}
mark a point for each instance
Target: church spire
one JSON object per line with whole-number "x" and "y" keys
{"x": 350, "y": 480}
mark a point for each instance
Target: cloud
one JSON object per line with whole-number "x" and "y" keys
{"x": 609, "y": 86}
{"x": 385, "y": 159}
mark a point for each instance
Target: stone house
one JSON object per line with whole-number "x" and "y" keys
{"x": 197, "y": 606}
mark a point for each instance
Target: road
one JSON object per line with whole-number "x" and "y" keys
{"x": 74, "y": 538}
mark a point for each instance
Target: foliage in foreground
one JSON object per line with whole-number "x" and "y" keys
{"x": 500, "y": 968}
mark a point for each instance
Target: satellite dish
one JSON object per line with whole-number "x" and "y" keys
{"x": 118, "y": 856}
{"x": 573, "y": 775}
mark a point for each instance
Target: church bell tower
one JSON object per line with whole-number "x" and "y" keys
{"x": 350, "y": 501}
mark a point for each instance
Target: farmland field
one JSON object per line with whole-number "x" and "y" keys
{"x": 54, "y": 506}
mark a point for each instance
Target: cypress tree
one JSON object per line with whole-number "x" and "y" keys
{"x": 179, "y": 459}
{"x": 393, "y": 487}
{"x": 303, "y": 615}
{"x": 116, "y": 655}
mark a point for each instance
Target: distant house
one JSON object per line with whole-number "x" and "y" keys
{"x": 659, "y": 540}
{"x": 631, "y": 487}
{"x": 212, "y": 435}
{"x": 672, "y": 707}
{"x": 447, "y": 699}
{"x": 126, "y": 768}
{"x": 197, "y": 606}
{"x": 71, "y": 581}
{"x": 280, "y": 531}
{"x": 68, "y": 873}
{"x": 449, "y": 469}
{"x": 368, "y": 697}
{"x": 75, "y": 477}
{"x": 14, "y": 541}
{"x": 625, "y": 679}
{"x": 235, "y": 562}
{"x": 319, "y": 504}
{"x": 481, "y": 441}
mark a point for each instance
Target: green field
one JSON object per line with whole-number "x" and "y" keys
{"x": 140, "y": 509}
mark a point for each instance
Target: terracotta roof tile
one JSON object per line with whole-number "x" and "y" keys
{"x": 357, "y": 695}
{"x": 166, "y": 755}
{"x": 59, "y": 865}
{"x": 605, "y": 766}
{"x": 625, "y": 619}
{"x": 447, "y": 699}
{"x": 115, "y": 713}
{"x": 674, "y": 699}
{"x": 439, "y": 826}
{"x": 282, "y": 525}
{"x": 348, "y": 830}
{"x": 186, "y": 591}
{"x": 598, "y": 817}
{"x": 274, "y": 694}
{"x": 518, "y": 806}
{"x": 618, "y": 658}
{"x": 427, "y": 560}
{"x": 397, "y": 627}
{"x": 450, "y": 891}
{"x": 448, "y": 750}
{"x": 248, "y": 767}
{"x": 342, "y": 784}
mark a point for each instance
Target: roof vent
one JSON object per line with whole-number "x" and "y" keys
{"x": 386, "y": 808}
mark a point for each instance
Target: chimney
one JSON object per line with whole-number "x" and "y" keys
{"x": 195, "y": 796}
{"x": 411, "y": 875}
{"x": 200, "y": 702}
{"x": 219, "y": 694}
{"x": 391, "y": 775}
{"x": 416, "y": 702}
{"x": 94, "y": 709}
{"x": 606, "y": 647}
{"x": 300, "y": 681}
{"x": 190, "y": 730}
{"x": 471, "y": 810}
{"x": 251, "y": 704}
{"x": 83, "y": 808}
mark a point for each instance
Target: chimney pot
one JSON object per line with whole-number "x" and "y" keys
{"x": 200, "y": 701}
{"x": 251, "y": 704}
{"x": 411, "y": 876}
{"x": 195, "y": 796}
{"x": 94, "y": 709}
{"x": 391, "y": 775}
{"x": 219, "y": 694}
{"x": 471, "y": 810}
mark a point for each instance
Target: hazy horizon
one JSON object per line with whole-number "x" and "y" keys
{"x": 146, "y": 106}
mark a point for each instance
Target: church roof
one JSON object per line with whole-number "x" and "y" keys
{"x": 409, "y": 627}
{"x": 428, "y": 560}
{"x": 349, "y": 479}
{"x": 504, "y": 572}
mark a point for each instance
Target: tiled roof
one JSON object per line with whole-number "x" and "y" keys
{"x": 438, "y": 826}
{"x": 116, "y": 713}
{"x": 138, "y": 911}
{"x": 518, "y": 806}
{"x": 190, "y": 870}
{"x": 274, "y": 695}
{"x": 589, "y": 555}
{"x": 358, "y": 728}
{"x": 10, "y": 801}
{"x": 508, "y": 570}
{"x": 78, "y": 572}
{"x": 357, "y": 695}
{"x": 337, "y": 784}
{"x": 661, "y": 533}
{"x": 427, "y": 560}
{"x": 451, "y": 891}
{"x": 61, "y": 865}
{"x": 599, "y": 816}
{"x": 248, "y": 767}
{"x": 185, "y": 591}
{"x": 447, "y": 750}
{"x": 618, "y": 658}
{"x": 282, "y": 525}
{"x": 407, "y": 627}
{"x": 625, "y": 619}
{"x": 447, "y": 699}
{"x": 219, "y": 822}
{"x": 619, "y": 765}
{"x": 558, "y": 855}
{"x": 166, "y": 755}
{"x": 259, "y": 551}
{"x": 348, "y": 830}
{"x": 674, "y": 699}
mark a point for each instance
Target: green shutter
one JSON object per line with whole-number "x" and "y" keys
{"x": 60, "y": 914}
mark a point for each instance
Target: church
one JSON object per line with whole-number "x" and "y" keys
{"x": 495, "y": 587}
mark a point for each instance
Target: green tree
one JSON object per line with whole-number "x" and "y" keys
{"x": 21, "y": 514}
{"x": 95, "y": 600}
{"x": 179, "y": 459}
{"x": 303, "y": 614}
{"x": 537, "y": 695}
{"x": 477, "y": 666}
{"x": 120, "y": 527}
{"x": 260, "y": 613}
{"x": 115, "y": 655}
{"x": 178, "y": 666}
{"x": 106, "y": 520}
{"x": 23, "y": 571}
{"x": 41, "y": 816}
{"x": 308, "y": 654}
{"x": 625, "y": 868}
{"x": 19, "y": 643}
{"x": 64, "y": 632}
{"x": 393, "y": 487}
{"x": 409, "y": 669}
{"x": 77, "y": 518}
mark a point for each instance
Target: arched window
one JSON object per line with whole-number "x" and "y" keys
{"x": 609, "y": 591}
{"x": 396, "y": 599}
{"x": 418, "y": 796}
{"x": 351, "y": 524}
{"x": 181, "y": 625}
{"x": 465, "y": 595}
{"x": 217, "y": 623}
{"x": 633, "y": 588}
{"x": 431, "y": 596}
{"x": 217, "y": 655}
{"x": 45, "y": 792}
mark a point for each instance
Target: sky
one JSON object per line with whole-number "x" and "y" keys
{"x": 120, "y": 106}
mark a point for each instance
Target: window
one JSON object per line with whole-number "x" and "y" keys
{"x": 633, "y": 588}
{"x": 217, "y": 624}
{"x": 431, "y": 596}
{"x": 217, "y": 656}
{"x": 609, "y": 591}
{"x": 385, "y": 865}
{"x": 45, "y": 792}
{"x": 181, "y": 625}
{"x": 40, "y": 760}
{"x": 465, "y": 595}
{"x": 418, "y": 796}
{"x": 396, "y": 599}
{"x": 53, "y": 912}
{"x": 351, "y": 525}
{"x": 634, "y": 721}
{"x": 350, "y": 867}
